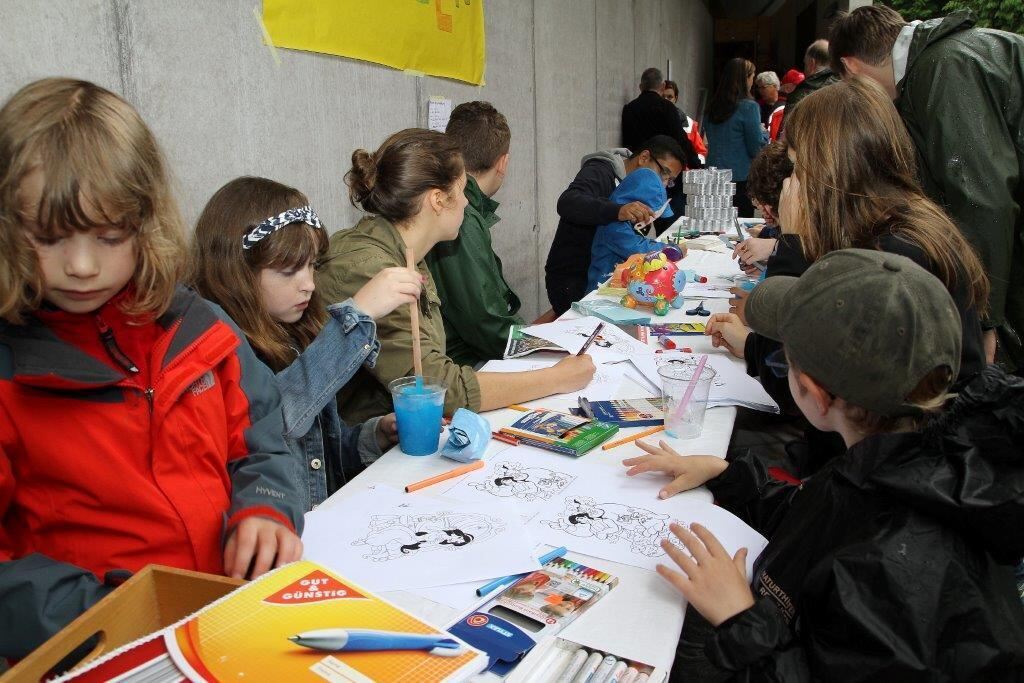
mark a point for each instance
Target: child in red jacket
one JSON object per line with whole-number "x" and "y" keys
{"x": 136, "y": 425}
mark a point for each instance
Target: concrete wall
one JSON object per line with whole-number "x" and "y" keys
{"x": 560, "y": 70}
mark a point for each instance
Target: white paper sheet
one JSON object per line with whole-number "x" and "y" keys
{"x": 571, "y": 335}
{"x": 621, "y": 519}
{"x": 603, "y": 387}
{"x": 731, "y": 386}
{"x": 388, "y": 540}
{"x": 525, "y": 476}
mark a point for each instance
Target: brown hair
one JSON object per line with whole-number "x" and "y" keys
{"x": 858, "y": 175}
{"x": 732, "y": 88}
{"x": 767, "y": 171}
{"x": 482, "y": 134}
{"x": 670, "y": 85}
{"x": 94, "y": 150}
{"x": 929, "y": 395}
{"x": 229, "y": 276}
{"x": 390, "y": 181}
{"x": 867, "y": 33}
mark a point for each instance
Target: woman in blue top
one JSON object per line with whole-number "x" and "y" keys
{"x": 733, "y": 127}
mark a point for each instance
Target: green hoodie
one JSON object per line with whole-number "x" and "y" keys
{"x": 962, "y": 100}
{"x": 477, "y": 305}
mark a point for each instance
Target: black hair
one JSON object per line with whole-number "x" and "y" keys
{"x": 661, "y": 146}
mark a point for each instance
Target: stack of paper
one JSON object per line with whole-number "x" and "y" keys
{"x": 731, "y": 386}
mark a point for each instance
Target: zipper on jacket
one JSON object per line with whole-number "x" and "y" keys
{"x": 121, "y": 358}
{"x": 110, "y": 344}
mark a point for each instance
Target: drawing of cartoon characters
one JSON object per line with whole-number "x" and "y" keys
{"x": 511, "y": 479}
{"x": 582, "y": 517}
{"x": 612, "y": 522}
{"x": 390, "y": 537}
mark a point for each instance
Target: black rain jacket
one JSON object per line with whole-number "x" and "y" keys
{"x": 894, "y": 562}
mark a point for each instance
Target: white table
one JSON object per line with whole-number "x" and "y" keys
{"x": 642, "y": 617}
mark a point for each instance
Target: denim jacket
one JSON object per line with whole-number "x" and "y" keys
{"x": 330, "y": 450}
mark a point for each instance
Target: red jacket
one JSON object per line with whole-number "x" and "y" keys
{"x": 124, "y": 444}
{"x": 692, "y": 130}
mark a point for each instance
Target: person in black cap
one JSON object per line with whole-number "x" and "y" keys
{"x": 895, "y": 560}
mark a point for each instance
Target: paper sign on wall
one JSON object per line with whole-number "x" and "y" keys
{"x": 439, "y": 110}
{"x": 436, "y": 37}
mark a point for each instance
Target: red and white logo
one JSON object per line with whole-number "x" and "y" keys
{"x": 477, "y": 620}
{"x": 313, "y": 587}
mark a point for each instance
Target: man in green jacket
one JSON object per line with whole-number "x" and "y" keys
{"x": 477, "y": 305}
{"x": 958, "y": 90}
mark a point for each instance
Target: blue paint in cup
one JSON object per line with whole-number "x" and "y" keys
{"x": 419, "y": 404}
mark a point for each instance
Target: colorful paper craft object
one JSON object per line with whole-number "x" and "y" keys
{"x": 653, "y": 279}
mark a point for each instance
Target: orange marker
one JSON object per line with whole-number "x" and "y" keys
{"x": 450, "y": 474}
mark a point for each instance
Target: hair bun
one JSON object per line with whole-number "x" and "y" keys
{"x": 361, "y": 178}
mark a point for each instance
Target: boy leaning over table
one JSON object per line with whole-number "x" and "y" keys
{"x": 895, "y": 561}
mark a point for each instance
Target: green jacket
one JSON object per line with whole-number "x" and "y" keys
{"x": 811, "y": 84}
{"x": 477, "y": 304}
{"x": 353, "y": 258}
{"x": 961, "y": 100}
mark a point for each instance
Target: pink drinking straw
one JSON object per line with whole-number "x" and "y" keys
{"x": 681, "y": 408}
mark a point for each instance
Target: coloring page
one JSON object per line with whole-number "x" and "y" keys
{"x": 731, "y": 385}
{"x": 604, "y": 386}
{"x": 389, "y": 540}
{"x": 626, "y": 523}
{"x": 527, "y": 477}
{"x": 611, "y": 344}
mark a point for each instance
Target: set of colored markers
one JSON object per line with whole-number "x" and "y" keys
{"x": 583, "y": 665}
{"x": 580, "y": 570}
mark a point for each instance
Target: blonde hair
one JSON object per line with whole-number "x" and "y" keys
{"x": 228, "y": 275}
{"x": 93, "y": 149}
{"x": 858, "y": 175}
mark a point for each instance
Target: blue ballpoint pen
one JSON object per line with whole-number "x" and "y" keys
{"x": 364, "y": 640}
{"x": 505, "y": 580}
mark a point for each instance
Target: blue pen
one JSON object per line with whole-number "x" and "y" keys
{"x": 365, "y": 640}
{"x": 505, "y": 580}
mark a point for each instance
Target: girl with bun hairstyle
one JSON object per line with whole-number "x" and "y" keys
{"x": 413, "y": 187}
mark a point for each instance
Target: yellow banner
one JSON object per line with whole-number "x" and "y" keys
{"x": 437, "y": 37}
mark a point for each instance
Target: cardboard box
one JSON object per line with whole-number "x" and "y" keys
{"x": 152, "y": 599}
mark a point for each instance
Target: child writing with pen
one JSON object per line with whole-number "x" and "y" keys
{"x": 895, "y": 561}
{"x": 136, "y": 425}
{"x": 256, "y": 249}
{"x": 413, "y": 187}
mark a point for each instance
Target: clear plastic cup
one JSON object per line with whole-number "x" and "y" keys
{"x": 675, "y": 380}
{"x": 419, "y": 404}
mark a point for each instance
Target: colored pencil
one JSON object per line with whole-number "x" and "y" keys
{"x": 450, "y": 474}
{"x": 506, "y": 438}
{"x": 630, "y": 439}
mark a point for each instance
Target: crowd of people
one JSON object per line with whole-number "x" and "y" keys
{"x": 186, "y": 404}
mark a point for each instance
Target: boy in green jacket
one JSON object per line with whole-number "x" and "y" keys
{"x": 477, "y": 305}
{"x": 957, "y": 89}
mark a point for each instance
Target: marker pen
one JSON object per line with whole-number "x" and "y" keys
{"x": 576, "y": 662}
{"x": 618, "y": 672}
{"x": 554, "y": 659}
{"x": 630, "y": 675}
{"x": 603, "y": 670}
{"x": 588, "y": 668}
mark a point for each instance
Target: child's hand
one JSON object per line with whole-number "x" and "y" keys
{"x": 635, "y": 212}
{"x": 261, "y": 543}
{"x": 687, "y": 471}
{"x": 575, "y": 372}
{"x": 753, "y": 249}
{"x": 387, "y": 290}
{"x": 714, "y": 583}
{"x": 387, "y": 431}
{"x": 726, "y": 329}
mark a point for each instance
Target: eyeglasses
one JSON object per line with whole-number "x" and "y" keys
{"x": 666, "y": 174}
{"x": 777, "y": 363}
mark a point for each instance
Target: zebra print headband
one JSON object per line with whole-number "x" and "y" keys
{"x": 303, "y": 214}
